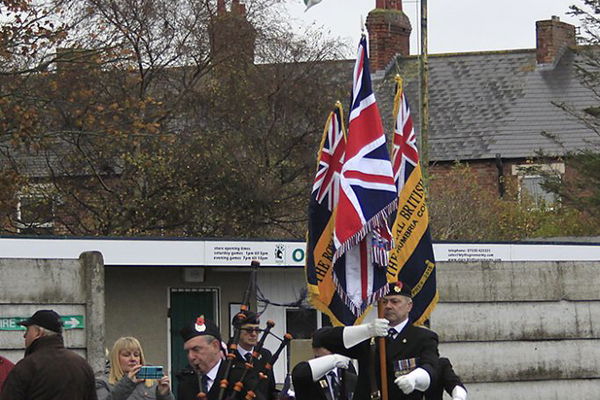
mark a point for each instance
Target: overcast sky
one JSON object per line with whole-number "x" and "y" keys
{"x": 454, "y": 25}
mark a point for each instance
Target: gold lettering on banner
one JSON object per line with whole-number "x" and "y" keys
{"x": 428, "y": 270}
{"x": 410, "y": 225}
{"x": 324, "y": 263}
{"x": 323, "y": 255}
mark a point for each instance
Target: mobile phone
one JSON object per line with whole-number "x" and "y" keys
{"x": 150, "y": 372}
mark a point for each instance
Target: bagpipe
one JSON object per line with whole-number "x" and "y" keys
{"x": 252, "y": 386}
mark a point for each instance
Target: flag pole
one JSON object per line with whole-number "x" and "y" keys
{"x": 382, "y": 358}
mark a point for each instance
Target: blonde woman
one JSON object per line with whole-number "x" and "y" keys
{"x": 126, "y": 359}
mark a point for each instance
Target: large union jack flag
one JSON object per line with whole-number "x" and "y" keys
{"x": 367, "y": 196}
{"x": 367, "y": 190}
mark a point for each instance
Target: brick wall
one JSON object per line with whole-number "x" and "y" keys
{"x": 389, "y": 34}
{"x": 553, "y": 36}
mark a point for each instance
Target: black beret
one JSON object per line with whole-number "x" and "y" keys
{"x": 200, "y": 327}
{"x": 399, "y": 288}
{"x": 245, "y": 317}
{"x": 47, "y": 319}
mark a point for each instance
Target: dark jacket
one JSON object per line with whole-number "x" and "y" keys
{"x": 189, "y": 385}
{"x": 307, "y": 389}
{"x": 411, "y": 342}
{"x": 446, "y": 380}
{"x": 50, "y": 372}
{"x": 266, "y": 388}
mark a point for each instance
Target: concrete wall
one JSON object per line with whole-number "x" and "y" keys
{"x": 70, "y": 287}
{"x": 521, "y": 330}
{"x": 137, "y": 301}
{"x": 512, "y": 330}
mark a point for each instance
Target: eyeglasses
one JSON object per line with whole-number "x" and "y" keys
{"x": 250, "y": 330}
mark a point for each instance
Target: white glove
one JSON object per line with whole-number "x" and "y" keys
{"x": 459, "y": 393}
{"x": 321, "y": 365}
{"x": 418, "y": 379}
{"x": 353, "y": 335}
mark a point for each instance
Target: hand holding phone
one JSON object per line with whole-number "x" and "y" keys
{"x": 150, "y": 372}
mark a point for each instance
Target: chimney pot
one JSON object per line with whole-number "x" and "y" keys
{"x": 389, "y": 33}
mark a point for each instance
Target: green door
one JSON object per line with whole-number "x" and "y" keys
{"x": 186, "y": 306}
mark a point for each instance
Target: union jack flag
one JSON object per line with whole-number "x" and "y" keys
{"x": 321, "y": 216}
{"x": 404, "y": 149}
{"x": 367, "y": 194}
{"x": 412, "y": 259}
{"x": 331, "y": 158}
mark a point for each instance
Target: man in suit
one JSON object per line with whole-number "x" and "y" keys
{"x": 411, "y": 351}
{"x": 249, "y": 324}
{"x": 202, "y": 343}
{"x": 446, "y": 380}
{"x": 328, "y": 376}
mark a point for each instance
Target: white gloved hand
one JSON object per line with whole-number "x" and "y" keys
{"x": 321, "y": 365}
{"x": 418, "y": 379}
{"x": 459, "y": 393}
{"x": 353, "y": 335}
{"x": 379, "y": 327}
{"x": 406, "y": 383}
{"x": 341, "y": 361}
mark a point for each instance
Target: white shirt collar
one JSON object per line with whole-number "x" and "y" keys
{"x": 243, "y": 351}
{"x": 212, "y": 374}
{"x": 400, "y": 326}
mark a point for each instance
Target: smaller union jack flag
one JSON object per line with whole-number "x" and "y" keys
{"x": 331, "y": 158}
{"x": 405, "y": 155}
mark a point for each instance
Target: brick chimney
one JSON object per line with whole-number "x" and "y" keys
{"x": 389, "y": 33}
{"x": 553, "y": 37}
{"x": 232, "y": 36}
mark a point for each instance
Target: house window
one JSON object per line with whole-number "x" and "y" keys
{"x": 530, "y": 180}
{"x": 36, "y": 210}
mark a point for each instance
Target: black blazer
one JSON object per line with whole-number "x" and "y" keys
{"x": 446, "y": 380}
{"x": 189, "y": 385}
{"x": 268, "y": 391}
{"x": 411, "y": 342}
{"x": 306, "y": 389}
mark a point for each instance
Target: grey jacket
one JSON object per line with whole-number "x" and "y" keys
{"x": 126, "y": 389}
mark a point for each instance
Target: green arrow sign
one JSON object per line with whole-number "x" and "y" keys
{"x": 69, "y": 322}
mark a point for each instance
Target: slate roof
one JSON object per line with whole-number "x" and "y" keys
{"x": 481, "y": 104}
{"x": 488, "y": 103}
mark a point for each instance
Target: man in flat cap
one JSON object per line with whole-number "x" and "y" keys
{"x": 249, "y": 325}
{"x": 48, "y": 371}
{"x": 328, "y": 376}
{"x": 411, "y": 351}
{"x": 203, "y": 346}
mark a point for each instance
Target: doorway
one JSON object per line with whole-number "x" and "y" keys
{"x": 185, "y": 305}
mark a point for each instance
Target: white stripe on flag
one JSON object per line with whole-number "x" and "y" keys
{"x": 353, "y": 275}
{"x": 366, "y": 102}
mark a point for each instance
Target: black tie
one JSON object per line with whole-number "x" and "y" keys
{"x": 248, "y": 357}
{"x": 335, "y": 385}
{"x": 391, "y": 333}
{"x": 204, "y": 380}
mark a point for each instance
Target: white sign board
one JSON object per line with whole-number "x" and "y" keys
{"x": 239, "y": 253}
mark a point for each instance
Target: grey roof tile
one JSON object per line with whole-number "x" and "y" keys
{"x": 488, "y": 103}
